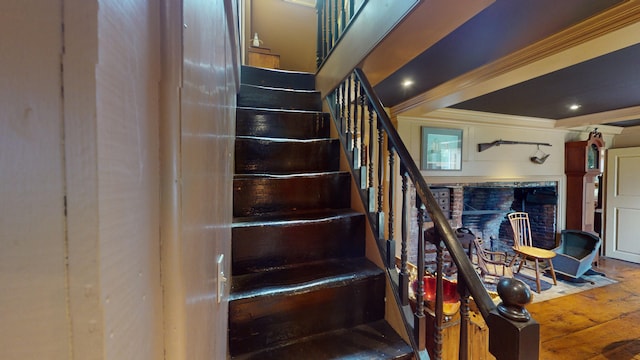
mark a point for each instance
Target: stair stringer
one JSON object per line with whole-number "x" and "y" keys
{"x": 373, "y": 253}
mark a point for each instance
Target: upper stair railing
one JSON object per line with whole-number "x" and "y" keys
{"x": 381, "y": 164}
{"x": 334, "y": 16}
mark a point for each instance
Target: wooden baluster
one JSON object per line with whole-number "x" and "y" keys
{"x": 439, "y": 297}
{"x": 464, "y": 318}
{"x": 319, "y": 37}
{"x": 419, "y": 319}
{"x": 349, "y": 125}
{"x": 391, "y": 244}
{"x": 379, "y": 146}
{"x": 334, "y": 25}
{"x": 404, "y": 274}
{"x": 356, "y": 148}
{"x": 343, "y": 18}
{"x": 330, "y": 27}
{"x": 371, "y": 195}
{"x": 363, "y": 161}
{"x": 351, "y": 9}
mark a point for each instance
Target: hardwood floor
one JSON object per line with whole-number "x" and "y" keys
{"x": 598, "y": 324}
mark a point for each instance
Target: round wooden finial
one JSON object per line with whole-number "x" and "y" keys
{"x": 514, "y": 294}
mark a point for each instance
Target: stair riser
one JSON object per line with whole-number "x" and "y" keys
{"x": 292, "y": 125}
{"x": 268, "y": 321}
{"x": 280, "y": 79}
{"x": 263, "y": 156}
{"x": 258, "y": 97}
{"x": 257, "y": 196}
{"x": 256, "y": 248}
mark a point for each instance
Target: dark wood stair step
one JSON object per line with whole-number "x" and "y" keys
{"x": 275, "y": 307}
{"x": 276, "y": 98}
{"x": 375, "y": 340}
{"x": 259, "y": 155}
{"x": 263, "y": 194}
{"x": 282, "y": 123}
{"x": 277, "y": 78}
{"x": 259, "y": 243}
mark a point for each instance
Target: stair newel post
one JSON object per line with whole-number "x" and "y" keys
{"x": 419, "y": 319}
{"x": 391, "y": 244}
{"x": 464, "y": 318}
{"x": 404, "y": 274}
{"x": 320, "y": 35}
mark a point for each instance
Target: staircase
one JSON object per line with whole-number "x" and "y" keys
{"x": 301, "y": 285}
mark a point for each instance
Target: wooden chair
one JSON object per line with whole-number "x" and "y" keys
{"x": 523, "y": 246}
{"x": 491, "y": 263}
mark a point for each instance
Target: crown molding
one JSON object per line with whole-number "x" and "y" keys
{"x": 608, "y": 31}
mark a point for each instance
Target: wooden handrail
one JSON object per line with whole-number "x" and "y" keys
{"x": 359, "y": 115}
{"x": 474, "y": 284}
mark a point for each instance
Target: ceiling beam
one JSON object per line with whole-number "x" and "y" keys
{"x": 609, "y": 31}
{"x": 604, "y": 117}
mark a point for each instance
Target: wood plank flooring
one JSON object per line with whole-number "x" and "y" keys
{"x": 597, "y": 324}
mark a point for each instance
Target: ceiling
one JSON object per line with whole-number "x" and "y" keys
{"x": 531, "y": 58}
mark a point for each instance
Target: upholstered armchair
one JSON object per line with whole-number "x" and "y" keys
{"x": 575, "y": 253}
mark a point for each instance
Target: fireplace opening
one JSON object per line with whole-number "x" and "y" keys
{"x": 485, "y": 209}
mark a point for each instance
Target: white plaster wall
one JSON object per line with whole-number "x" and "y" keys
{"x": 33, "y": 295}
{"x": 501, "y": 163}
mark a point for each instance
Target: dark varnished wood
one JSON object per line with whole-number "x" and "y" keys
{"x": 269, "y": 98}
{"x": 301, "y": 286}
{"x": 282, "y": 123}
{"x": 263, "y": 244}
{"x": 376, "y": 340}
{"x": 281, "y": 156}
{"x": 273, "y": 307}
{"x": 261, "y": 194}
{"x": 278, "y": 78}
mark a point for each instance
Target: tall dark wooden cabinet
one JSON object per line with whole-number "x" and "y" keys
{"x": 583, "y": 165}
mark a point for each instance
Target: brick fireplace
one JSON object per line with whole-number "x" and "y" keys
{"x": 482, "y": 207}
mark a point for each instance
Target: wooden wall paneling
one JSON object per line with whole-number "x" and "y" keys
{"x": 33, "y": 296}
{"x": 207, "y": 140}
{"x": 80, "y": 146}
{"x": 127, "y": 75}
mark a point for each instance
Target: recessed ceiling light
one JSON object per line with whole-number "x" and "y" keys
{"x": 407, "y": 83}
{"x": 574, "y": 107}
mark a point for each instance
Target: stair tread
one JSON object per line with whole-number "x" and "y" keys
{"x": 375, "y": 340}
{"x": 284, "y": 139}
{"x": 301, "y": 279}
{"x": 294, "y": 217}
{"x": 287, "y": 176}
{"x": 283, "y": 78}
{"x": 284, "y": 111}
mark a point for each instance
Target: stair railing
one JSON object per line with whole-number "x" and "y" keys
{"x": 334, "y": 16}
{"x": 379, "y": 160}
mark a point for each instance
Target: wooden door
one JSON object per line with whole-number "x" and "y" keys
{"x": 623, "y": 204}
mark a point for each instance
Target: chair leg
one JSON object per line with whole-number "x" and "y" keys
{"x": 537, "y": 276}
{"x": 523, "y": 259}
{"x": 553, "y": 272}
